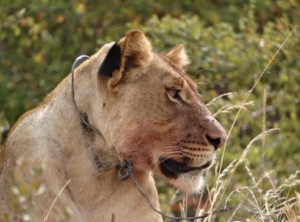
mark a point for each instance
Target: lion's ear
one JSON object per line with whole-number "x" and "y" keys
{"x": 178, "y": 56}
{"x": 126, "y": 59}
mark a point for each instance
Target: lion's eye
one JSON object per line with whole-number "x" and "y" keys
{"x": 174, "y": 95}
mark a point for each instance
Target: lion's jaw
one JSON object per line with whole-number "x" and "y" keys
{"x": 157, "y": 153}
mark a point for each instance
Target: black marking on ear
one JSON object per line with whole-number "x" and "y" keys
{"x": 111, "y": 62}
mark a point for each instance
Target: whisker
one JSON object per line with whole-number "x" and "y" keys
{"x": 176, "y": 155}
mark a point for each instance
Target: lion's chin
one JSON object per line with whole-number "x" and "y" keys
{"x": 189, "y": 183}
{"x": 187, "y": 179}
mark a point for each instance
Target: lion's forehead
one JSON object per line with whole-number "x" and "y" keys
{"x": 170, "y": 63}
{"x": 179, "y": 75}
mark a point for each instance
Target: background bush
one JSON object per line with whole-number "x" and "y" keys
{"x": 230, "y": 44}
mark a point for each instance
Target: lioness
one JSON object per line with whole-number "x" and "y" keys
{"x": 143, "y": 108}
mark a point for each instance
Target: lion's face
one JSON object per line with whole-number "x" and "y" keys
{"x": 155, "y": 116}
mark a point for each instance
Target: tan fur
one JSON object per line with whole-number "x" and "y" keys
{"x": 140, "y": 120}
{"x": 178, "y": 56}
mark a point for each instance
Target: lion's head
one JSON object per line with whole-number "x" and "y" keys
{"x": 152, "y": 113}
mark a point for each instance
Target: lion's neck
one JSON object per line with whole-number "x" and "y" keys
{"x": 90, "y": 161}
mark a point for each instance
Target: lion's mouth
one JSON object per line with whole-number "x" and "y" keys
{"x": 172, "y": 168}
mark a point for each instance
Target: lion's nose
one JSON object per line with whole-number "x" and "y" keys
{"x": 216, "y": 142}
{"x": 216, "y": 134}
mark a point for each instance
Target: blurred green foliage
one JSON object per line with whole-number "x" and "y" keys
{"x": 230, "y": 44}
{"x": 28, "y": 187}
{"x": 23, "y": 194}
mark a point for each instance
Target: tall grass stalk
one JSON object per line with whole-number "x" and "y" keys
{"x": 257, "y": 201}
